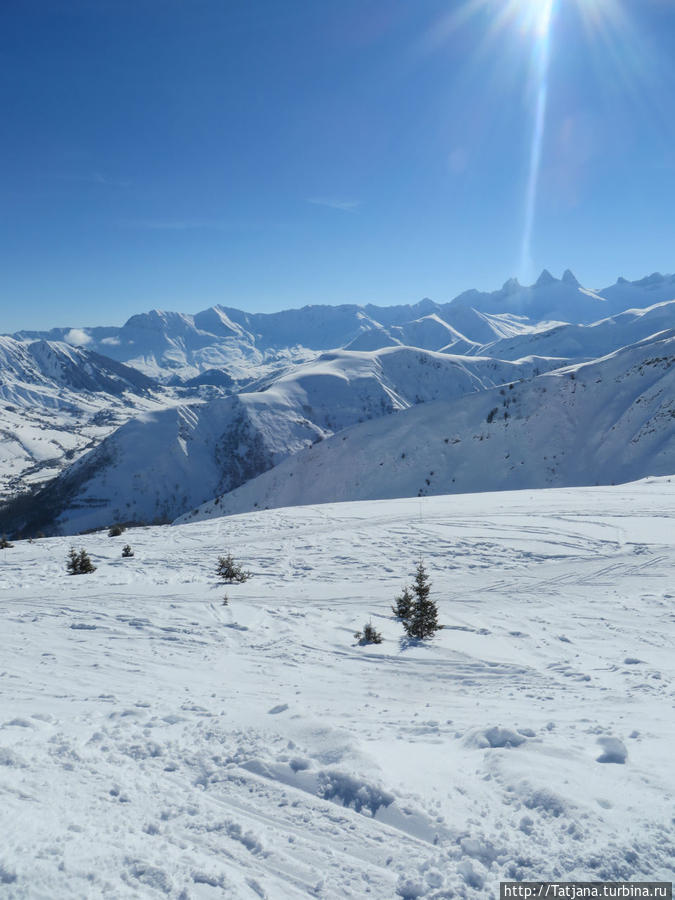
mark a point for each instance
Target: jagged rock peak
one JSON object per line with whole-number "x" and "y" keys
{"x": 510, "y": 286}
{"x": 654, "y": 278}
{"x": 545, "y": 278}
{"x": 570, "y": 278}
{"x": 425, "y": 305}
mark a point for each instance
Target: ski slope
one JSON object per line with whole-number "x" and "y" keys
{"x": 155, "y": 743}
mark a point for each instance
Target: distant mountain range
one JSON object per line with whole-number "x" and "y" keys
{"x": 176, "y": 347}
{"x": 145, "y": 422}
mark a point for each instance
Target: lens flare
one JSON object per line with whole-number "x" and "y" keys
{"x": 628, "y": 70}
{"x": 540, "y": 69}
{"x": 532, "y": 21}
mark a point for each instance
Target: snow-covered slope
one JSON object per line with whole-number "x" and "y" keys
{"x": 549, "y": 298}
{"x": 578, "y": 342}
{"x": 174, "y": 347}
{"x": 154, "y": 743}
{"x": 177, "y": 346}
{"x": 612, "y": 420}
{"x": 57, "y": 400}
{"x": 430, "y": 333}
{"x": 25, "y": 367}
{"x": 163, "y": 464}
{"x": 644, "y": 292}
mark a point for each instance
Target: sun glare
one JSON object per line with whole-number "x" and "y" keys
{"x": 626, "y": 66}
{"x": 530, "y": 17}
{"x": 542, "y": 13}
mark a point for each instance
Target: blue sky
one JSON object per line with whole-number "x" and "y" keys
{"x": 174, "y": 154}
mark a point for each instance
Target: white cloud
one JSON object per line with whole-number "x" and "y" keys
{"x": 111, "y": 341}
{"x": 77, "y": 337}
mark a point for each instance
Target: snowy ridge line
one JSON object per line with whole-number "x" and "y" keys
{"x": 608, "y": 421}
{"x": 192, "y": 454}
{"x": 182, "y": 347}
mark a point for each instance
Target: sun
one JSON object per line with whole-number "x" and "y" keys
{"x": 531, "y": 26}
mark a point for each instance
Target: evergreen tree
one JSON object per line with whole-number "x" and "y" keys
{"x": 230, "y": 571}
{"x": 73, "y": 564}
{"x": 369, "y": 635}
{"x": 403, "y": 605}
{"x": 79, "y": 563}
{"x": 423, "y": 621}
{"x": 127, "y": 551}
{"x": 4, "y": 543}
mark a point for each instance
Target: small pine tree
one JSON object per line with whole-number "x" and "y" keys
{"x": 73, "y": 564}
{"x": 4, "y": 543}
{"x": 403, "y": 605}
{"x": 423, "y": 621}
{"x": 369, "y": 635}
{"x": 86, "y": 565}
{"x": 115, "y": 530}
{"x": 79, "y": 563}
{"x": 230, "y": 571}
{"x": 127, "y": 551}
{"x": 226, "y": 600}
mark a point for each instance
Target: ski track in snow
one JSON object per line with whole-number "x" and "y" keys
{"x": 155, "y": 743}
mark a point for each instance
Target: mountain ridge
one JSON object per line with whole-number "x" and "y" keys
{"x": 606, "y": 421}
{"x": 160, "y": 464}
{"x": 169, "y": 345}
{"x": 268, "y": 386}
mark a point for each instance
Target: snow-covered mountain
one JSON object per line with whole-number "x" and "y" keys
{"x": 277, "y": 385}
{"x": 161, "y": 464}
{"x": 25, "y": 367}
{"x": 654, "y": 288}
{"x": 56, "y": 401}
{"x": 430, "y": 333}
{"x": 178, "y": 347}
{"x": 583, "y": 342}
{"x": 604, "y": 422}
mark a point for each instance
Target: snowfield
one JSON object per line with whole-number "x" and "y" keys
{"x": 155, "y": 743}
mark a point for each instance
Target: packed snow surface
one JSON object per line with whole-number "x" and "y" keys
{"x": 157, "y": 743}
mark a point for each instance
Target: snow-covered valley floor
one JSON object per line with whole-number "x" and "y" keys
{"x": 154, "y": 742}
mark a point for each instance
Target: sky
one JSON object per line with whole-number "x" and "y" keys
{"x": 263, "y": 154}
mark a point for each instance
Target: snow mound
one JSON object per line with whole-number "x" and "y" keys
{"x": 496, "y": 737}
{"x": 614, "y": 751}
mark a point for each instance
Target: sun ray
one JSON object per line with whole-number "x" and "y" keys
{"x": 540, "y": 71}
{"x": 515, "y": 42}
